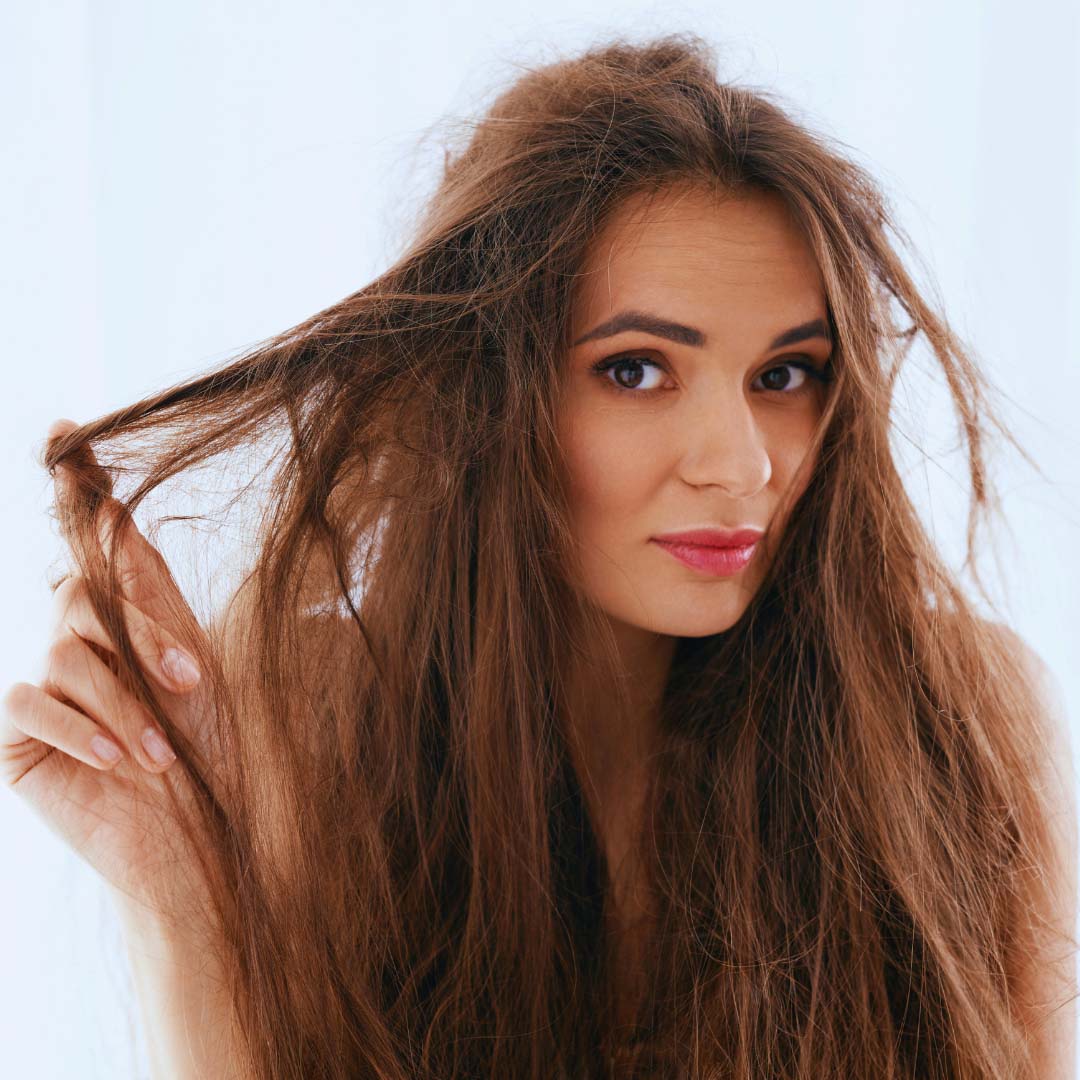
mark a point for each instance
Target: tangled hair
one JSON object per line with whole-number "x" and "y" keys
{"x": 843, "y": 818}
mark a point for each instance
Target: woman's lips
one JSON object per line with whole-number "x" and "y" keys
{"x": 719, "y": 561}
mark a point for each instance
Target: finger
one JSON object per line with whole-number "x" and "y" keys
{"x": 62, "y": 489}
{"x": 144, "y": 575}
{"x": 63, "y": 479}
{"x": 60, "y": 427}
{"x": 83, "y": 458}
{"x": 63, "y": 474}
{"x": 84, "y": 454}
{"x": 28, "y": 712}
{"x": 159, "y": 650}
{"x": 73, "y": 671}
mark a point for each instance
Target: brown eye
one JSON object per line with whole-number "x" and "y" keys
{"x": 784, "y": 377}
{"x": 632, "y": 366}
{"x": 791, "y": 377}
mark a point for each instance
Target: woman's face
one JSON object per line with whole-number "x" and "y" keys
{"x": 706, "y": 412}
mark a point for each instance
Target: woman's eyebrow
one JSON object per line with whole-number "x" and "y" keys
{"x": 689, "y": 335}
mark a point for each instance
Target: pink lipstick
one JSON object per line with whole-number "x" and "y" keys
{"x": 720, "y": 552}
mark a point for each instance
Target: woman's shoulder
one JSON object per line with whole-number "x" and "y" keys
{"x": 1051, "y": 739}
{"x": 1043, "y": 686}
{"x": 1043, "y": 972}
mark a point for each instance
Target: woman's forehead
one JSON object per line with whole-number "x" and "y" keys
{"x": 709, "y": 291}
{"x": 670, "y": 241}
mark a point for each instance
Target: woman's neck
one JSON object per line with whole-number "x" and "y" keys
{"x": 612, "y": 746}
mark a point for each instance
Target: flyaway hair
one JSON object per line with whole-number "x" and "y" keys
{"x": 845, "y": 828}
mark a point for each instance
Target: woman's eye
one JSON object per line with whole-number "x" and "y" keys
{"x": 787, "y": 377}
{"x": 633, "y": 380}
{"x": 795, "y": 376}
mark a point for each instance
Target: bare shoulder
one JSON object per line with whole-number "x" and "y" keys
{"x": 1055, "y": 738}
{"x": 1044, "y": 972}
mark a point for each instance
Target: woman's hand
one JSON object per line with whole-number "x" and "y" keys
{"x": 85, "y": 754}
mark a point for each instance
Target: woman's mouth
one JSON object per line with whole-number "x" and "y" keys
{"x": 718, "y": 561}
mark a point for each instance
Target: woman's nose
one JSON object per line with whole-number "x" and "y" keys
{"x": 724, "y": 446}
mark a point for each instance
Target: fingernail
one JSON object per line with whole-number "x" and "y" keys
{"x": 157, "y": 747}
{"x": 179, "y": 667}
{"x": 105, "y": 749}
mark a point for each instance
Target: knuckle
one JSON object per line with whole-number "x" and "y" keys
{"x": 153, "y": 639}
{"x": 62, "y": 651}
{"x": 128, "y": 577}
{"x": 58, "y": 650}
{"x": 70, "y": 587}
{"x": 68, "y": 595}
{"x": 61, "y": 597}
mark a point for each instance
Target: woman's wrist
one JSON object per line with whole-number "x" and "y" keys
{"x": 183, "y": 993}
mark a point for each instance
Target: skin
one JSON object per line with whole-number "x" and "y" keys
{"x": 713, "y": 445}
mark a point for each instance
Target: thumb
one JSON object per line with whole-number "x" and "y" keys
{"x": 60, "y": 427}
{"x": 144, "y": 575}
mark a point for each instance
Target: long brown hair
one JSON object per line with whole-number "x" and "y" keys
{"x": 402, "y": 861}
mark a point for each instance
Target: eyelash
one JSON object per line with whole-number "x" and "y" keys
{"x": 815, "y": 373}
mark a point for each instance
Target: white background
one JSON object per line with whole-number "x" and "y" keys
{"x": 182, "y": 180}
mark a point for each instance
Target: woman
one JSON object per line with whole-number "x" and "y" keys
{"x": 488, "y": 768}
